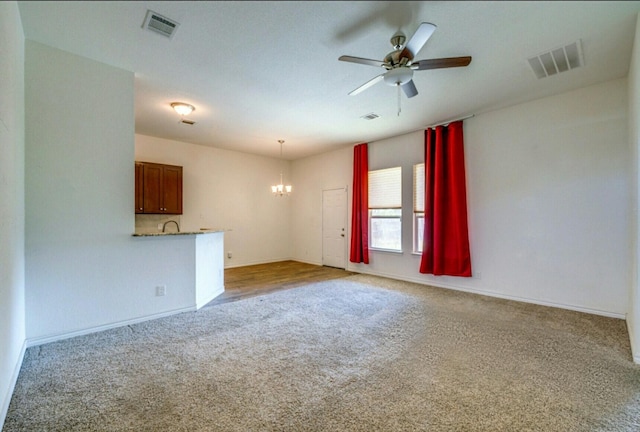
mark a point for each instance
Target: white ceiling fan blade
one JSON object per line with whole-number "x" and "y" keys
{"x": 410, "y": 89}
{"x": 366, "y": 85}
{"x": 420, "y": 38}
{"x": 360, "y": 60}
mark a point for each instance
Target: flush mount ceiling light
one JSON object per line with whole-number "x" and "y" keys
{"x": 280, "y": 189}
{"x": 183, "y": 108}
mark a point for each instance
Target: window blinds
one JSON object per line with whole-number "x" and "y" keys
{"x": 385, "y": 188}
{"x": 418, "y": 188}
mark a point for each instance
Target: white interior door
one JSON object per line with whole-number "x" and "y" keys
{"x": 334, "y": 224}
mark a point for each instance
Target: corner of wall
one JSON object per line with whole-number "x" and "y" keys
{"x": 633, "y": 82}
{"x": 6, "y": 400}
{"x": 12, "y": 203}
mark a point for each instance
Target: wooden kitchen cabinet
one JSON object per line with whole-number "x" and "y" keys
{"x": 158, "y": 188}
{"x": 139, "y": 188}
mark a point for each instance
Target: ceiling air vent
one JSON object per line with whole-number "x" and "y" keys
{"x": 188, "y": 122}
{"x": 370, "y": 116}
{"x": 160, "y": 24}
{"x": 557, "y": 60}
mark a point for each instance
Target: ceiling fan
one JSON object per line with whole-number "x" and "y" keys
{"x": 400, "y": 63}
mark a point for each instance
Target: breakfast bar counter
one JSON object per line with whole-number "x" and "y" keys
{"x": 158, "y": 234}
{"x": 205, "y": 255}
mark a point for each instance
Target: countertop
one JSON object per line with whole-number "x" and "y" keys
{"x": 160, "y": 234}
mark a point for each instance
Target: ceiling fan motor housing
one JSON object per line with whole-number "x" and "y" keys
{"x": 398, "y": 40}
{"x": 398, "y": 76}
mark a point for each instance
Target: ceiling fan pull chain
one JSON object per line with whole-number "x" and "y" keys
{"x": 398, "y": 86}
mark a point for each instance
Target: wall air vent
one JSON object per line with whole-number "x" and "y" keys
{"x": 160, "y": 24}
{"x": 370, "y": 116}
{"x": 557, "y": 60}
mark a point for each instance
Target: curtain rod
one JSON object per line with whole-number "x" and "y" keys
{"x": 427, "y": 127}
{"x": 449, "y": 121}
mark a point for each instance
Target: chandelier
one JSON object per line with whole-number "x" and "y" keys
{"x": 280, "y": 189}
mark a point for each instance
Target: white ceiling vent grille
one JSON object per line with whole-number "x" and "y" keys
{"x": 370, "y": 116}
{"x": 557, "y": 60}
{"x": 160, "y": 24}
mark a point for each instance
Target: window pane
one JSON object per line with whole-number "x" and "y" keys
{"x": 418, "y": 232}
{"x": 386, "y": 233}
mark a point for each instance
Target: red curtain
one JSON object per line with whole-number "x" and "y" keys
{"x": 360, "y": 206}
{"x": 446, "y": 237}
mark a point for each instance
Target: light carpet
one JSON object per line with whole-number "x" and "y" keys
{"x": 356, "y": 354}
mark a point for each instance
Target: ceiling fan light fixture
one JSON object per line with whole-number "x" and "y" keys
{"x": 398, "y": 76}
{"x": 183, "y": 108}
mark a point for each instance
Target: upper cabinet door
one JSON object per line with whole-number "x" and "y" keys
{"x": 152, "y": 178}
{"x": 172, "y": 189}
{"x": 139, "y": 188}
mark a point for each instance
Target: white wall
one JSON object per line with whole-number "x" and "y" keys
{"x": 633, "y": 321}
{"x": 229, "y": 190}
{"x": 84, "y": 270}
{"x": 548, "y": 188}
{"x": 209, "y": 267}
{"x": 312, "y": 175}
{"x": 548, "y": 193}
{"x": 12, "y": 304}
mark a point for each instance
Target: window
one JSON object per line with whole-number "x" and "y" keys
{"x": 385, "y": 209}
{"x": 418, "y": 207}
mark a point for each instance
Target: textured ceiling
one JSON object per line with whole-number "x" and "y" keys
{"x": 262, "y": 71}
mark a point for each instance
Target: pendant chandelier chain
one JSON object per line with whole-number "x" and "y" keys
{"x": 281, "y": 189}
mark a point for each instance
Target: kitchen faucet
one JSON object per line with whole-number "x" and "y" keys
{"x": 165, "y": 224}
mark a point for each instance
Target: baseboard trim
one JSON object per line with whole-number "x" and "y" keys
{"x": 275, "y": 261}
{"x": 199, "y": 305}
{"x": 54, "y": 338}
{"x": 307, "y": 262}
{"x": 635, "y": 354}
{"x": 259, "y": 262}
{"x": 4, "y": 409}
{"x": 496, "y": 294}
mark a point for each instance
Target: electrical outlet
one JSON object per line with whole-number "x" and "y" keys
{"x": 160, "y": 227}
{"x": 161, "y": 290}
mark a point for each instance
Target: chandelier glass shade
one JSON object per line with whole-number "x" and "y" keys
{"x": 281, "y": 189}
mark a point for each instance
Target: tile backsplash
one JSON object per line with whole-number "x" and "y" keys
{"x": 148, "y": 223}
